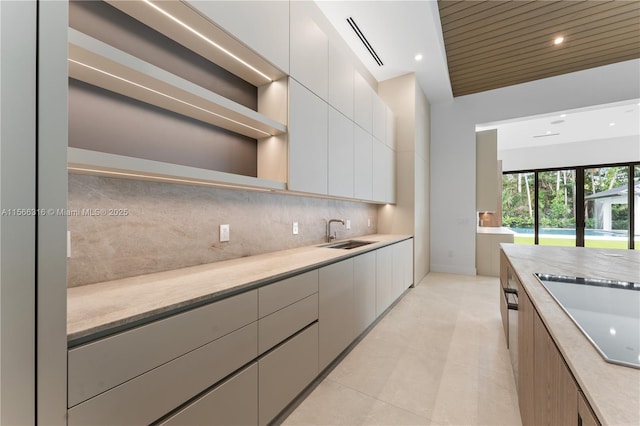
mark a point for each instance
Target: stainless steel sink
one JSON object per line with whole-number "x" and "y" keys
{"x": 348, "y": 245}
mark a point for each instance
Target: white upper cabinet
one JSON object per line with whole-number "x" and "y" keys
{"x": 341, "y": 80}
{"x": 363, "y": 164}
{"x": 383, "y": 172}
{"x": 309, "y": 50}
{"x": 308, "y": 124}
{"x": 379, "y": 127}
{"x": 363, "y": 103}
{"x": 390, "y": 129}
{"x": 341, "y": 154}
{"x": 261, "y": 25}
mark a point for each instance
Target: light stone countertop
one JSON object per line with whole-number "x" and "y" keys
{"x": 612, "y": 390}
{"x": 494, "y": 230}
{"x": 97, "y": 310}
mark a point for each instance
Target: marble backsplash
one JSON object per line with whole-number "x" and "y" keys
{"x": 141, "y": 227}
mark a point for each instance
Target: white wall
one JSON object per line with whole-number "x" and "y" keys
{"x": 18, "y": 22}
{"x": 453, "y": 216}
{"x": 600, "y": 151}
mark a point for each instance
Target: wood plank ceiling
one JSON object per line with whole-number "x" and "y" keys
{"x": 493, "y": 44}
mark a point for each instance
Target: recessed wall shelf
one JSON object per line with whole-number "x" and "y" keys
{"x": 99, "y": 64}
{"x": 82, "y": 161}
{"x": 183, "y": 24}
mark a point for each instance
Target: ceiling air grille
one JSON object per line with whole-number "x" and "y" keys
{"x": 364, "y": 41}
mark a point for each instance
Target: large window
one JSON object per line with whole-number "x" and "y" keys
{"x": 594, "y": 206}
{"x": 556, "y": 208}
{"x": 518, "y": 208}
{"x": 606, "y": 207}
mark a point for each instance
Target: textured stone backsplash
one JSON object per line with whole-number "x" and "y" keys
{"x": 142, "y": 227}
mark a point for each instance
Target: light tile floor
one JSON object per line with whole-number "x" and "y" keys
{"x": 439, "y": 357}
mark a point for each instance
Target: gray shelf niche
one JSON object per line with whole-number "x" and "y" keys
{"x": 148, "y": 101}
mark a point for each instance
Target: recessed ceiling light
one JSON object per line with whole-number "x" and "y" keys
{"x": 548, "y": 132}
{"x": 563, "y": 115}
{"x": 558, "y": 40}
{"x": 612, "y": 124}
{"x": 418, "y": 57}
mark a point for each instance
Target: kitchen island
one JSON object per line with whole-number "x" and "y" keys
{"x": 612, "y": 391}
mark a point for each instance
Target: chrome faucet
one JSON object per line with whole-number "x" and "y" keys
{"x": 329, "y": 236}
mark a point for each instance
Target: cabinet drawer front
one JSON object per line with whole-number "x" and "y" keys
{"x": 234, "y": 402}
{"x": 276, "y": 296}
{"x": 278, "y": 326}
{"x": 101, "y": 365}
{"x": 285, "y": 372}
{"x": 148, "y": 397}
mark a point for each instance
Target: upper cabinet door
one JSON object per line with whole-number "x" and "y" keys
{"x": 309, "y": 50}
{"x": 383, "y": 172}
{"x": 341, "y": 75}
{"x": 261, "y": 25}
{"x": 379, "y": 126}
{"x": 340, "y": 154}
{"x": 308, "y": 125}
{"x": 363, "y": 103}
{"x": 390, "y": 129}
{"x": 363, "y": 164}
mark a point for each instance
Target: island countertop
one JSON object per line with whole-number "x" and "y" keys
{"x": 612, "y": 390}
{"x": 99, "y": 309}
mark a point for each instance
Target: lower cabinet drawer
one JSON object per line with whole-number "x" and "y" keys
{"x": 150, "y": 396}
{"x": 281, "y": 324}
{"x": 285, "y": 372}
{"x": 104, "y": 364}
{"x": 234, "y": 402}
{"x": 276, "y": 296}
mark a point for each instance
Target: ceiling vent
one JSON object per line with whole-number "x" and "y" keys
{"x": 364, "y": 41}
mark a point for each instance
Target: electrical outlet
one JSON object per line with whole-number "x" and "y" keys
{"x": 224, "y": 233}
{"x": 347, "y": 224}
{"x": 295, "y": 228}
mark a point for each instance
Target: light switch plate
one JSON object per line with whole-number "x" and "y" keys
{"x": 224, "y": 233}
{"x": 348, "y": 224}
{"x": 295, "y": 228}
{"x": 368, "y": 222}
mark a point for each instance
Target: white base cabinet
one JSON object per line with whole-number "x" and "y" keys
{"x": 403, "y": 265}
{"x": 364, "y": 292}
{"x": 233, "y": 403}
{"x": 384, "y": 279}
{"x": 148, "y": 397}
{"x": 335, "y": 310}
{"x": 285, "y": 372}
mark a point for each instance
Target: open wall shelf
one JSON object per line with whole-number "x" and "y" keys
{"x": 99, "y": 64}
{"x": 82, "y": 161}
{"x": 185, "y": 25}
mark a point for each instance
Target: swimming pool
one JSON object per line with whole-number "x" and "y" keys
{"x": 570, "y": 232}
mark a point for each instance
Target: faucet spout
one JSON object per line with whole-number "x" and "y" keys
{"x": 329, "y": 236}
